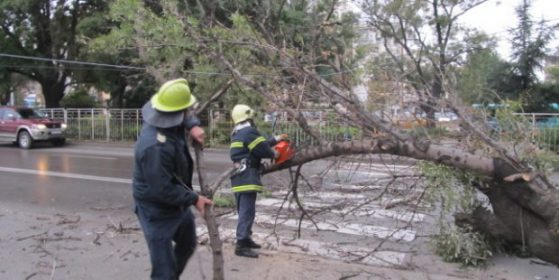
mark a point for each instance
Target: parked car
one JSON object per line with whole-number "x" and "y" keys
{"x": 25, "y": 126}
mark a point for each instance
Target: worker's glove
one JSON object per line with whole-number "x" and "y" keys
{"x": 281, "y": 137}
{"x": 276, "y": 154}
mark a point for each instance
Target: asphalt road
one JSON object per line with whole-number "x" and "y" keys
{"x": 77, "y": 176}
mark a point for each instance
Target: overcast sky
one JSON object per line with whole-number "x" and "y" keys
{"x": 495, "y": 16}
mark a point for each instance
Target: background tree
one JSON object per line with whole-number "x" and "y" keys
{"x": 118, "y": 75}
{"x": 529, "y": 46}
{"x": 5, "y": 87}
{"x": 425, "y": 42}
{"x": 484, "y": 77}
{"x": 78, "y": 99}
{"x": 45, "y": 31}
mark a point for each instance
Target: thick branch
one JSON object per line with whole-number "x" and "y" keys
{"x": 215, "y": 96}
{"x": 211, "y": 221}
{"x": 330, "y": 150}
{"x": 245, "y": 80}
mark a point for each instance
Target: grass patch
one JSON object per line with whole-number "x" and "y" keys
{"x": 224, "y": 200}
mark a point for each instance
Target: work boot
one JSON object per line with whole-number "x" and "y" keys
{"x": 251, "y": 244}
{"x": 243, "y": 251}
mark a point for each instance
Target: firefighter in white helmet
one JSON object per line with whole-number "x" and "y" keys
{"x": 247, "y": 149}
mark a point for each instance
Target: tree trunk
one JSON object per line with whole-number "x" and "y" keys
{"x": 524, "y": 212}
{"x": 53, "y": 91}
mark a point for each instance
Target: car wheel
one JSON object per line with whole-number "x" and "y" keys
{"x": 58, "y": 142}
{"x": 24, "y": 140}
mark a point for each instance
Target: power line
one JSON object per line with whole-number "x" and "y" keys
{"x": 71, "y": 61}
{"x": 30, "y": 66}
{"x": 75, "y": 62}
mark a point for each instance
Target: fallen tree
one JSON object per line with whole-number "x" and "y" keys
{"x": 254, "y": 49}
{"x": 522, "y": 199}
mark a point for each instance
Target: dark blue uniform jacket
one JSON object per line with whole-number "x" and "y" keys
{"x": 162, "y": 179}
{"x": 247, "y": 149}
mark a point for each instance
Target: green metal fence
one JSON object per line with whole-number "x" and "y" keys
{"x": 544, "y": 129}
{"x": 117, "y": 125}
{"x": 108, "y": 125}
{"x": 323, "y": 122}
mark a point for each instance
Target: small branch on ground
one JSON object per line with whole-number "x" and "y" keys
{"x": 65, "y": 220}
{"x": 31, "y": 236}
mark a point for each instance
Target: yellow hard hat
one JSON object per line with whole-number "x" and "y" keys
{"x": 241, "y": 113}
{"x": 173, "y": 96}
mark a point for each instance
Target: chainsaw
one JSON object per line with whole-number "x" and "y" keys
{"x": 284, "y": 147}
{"x": 285, "y": 150}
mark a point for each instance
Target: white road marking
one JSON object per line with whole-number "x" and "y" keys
{"x": 366, "y": 210}
{"x": 274, "y": 202}
{"x": 86, "y": 157}
{"x": 66, "y": 175}
{"x": 347, "y": 173}
{"x": 316, "y": 248}
{"x": 349, "y": 187}
{"x": 326, "y": 195}
{"x": 338, "y": 197}
{"x": 73, "y": 176}
{"x": 121, "y": 152}
{"x": 348, "y": 228}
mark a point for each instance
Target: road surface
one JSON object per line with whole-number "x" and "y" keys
{"x": 75, "y": 177}
{"x": 355, "y": 218}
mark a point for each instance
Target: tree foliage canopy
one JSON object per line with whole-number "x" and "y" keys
{"x": 156, "y": 32}
{"x": 40, "y": 30}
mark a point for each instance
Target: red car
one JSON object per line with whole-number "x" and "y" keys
{"x": 26, "y": 125}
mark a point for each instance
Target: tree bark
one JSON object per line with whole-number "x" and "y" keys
{"x": 211, "y": 221}
{"x": 53, "y": 91}
{"x": 524, "y": 213}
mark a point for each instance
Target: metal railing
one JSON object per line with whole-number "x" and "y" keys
{"x": 99, "y": 124}
{"x": 116, "y": 125}
{"x": 323, "y": 122}
{"x": 544, "y": 129}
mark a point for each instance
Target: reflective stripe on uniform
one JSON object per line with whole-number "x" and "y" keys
{"x": 244, "y": 188}
{"x": 236, "y": 144}
{"x": 256, "y": 142}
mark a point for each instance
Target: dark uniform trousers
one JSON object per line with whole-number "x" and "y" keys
{"x": 246, "y": 208}
{"x": 168, "y": 261}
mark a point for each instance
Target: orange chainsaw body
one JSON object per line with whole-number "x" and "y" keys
{"x": 285, "y": 150}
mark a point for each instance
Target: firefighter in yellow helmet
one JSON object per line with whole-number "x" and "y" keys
{"x": 247, "y": 149}
{"x": 162, "y": 179}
